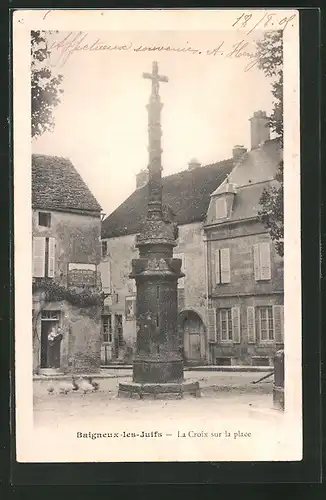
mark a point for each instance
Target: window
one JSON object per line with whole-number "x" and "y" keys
{"x": 43, "y": 257}
{"x": 266, "y": 323}
{"x": 118, "y": 323}
{"x": 225, "y": 325}
{"x": 107, "y": 328}
{"x": 220, "y": 205}
{"x": 222, "y": 266}
{"x": 262, "y": 261}
{"x": 229, "y": 324}
{"x": 44, "y": 219}
{"x": 50, "y": 315}
{"x": 104, "y": 248}
{"x": 130, "y": 308}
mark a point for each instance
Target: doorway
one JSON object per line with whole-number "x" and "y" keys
{"x": 193, "y": 336}
{"x": 50, "y": 351}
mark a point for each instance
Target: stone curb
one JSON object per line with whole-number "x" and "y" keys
{"x": 125, "y": 368}
{"x": 205, "y": 368}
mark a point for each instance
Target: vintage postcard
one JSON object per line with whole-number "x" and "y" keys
{"x": 157, "y": 235}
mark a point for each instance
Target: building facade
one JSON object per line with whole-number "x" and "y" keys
{"x": 66, "y": 245}
{"x": 230, "y": 302}
{"x": 245, "y": 274}
{"x": 186, "y": 194}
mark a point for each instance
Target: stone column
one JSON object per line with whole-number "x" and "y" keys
{"x": 158, "y": 363}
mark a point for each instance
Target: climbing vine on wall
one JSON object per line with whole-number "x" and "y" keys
{"x": 55, "y": 292}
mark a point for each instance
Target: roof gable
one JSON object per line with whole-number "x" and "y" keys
{"x": 56, "y": 185}
{"x": 187, "y": 193}
{"x": 246, "y": 202}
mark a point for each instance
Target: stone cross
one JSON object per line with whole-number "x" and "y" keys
{"x": 158, "y": 360}
{"x": 154, "y": 108}
{"x": 156, "y": 78}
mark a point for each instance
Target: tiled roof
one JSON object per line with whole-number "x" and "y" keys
{"x": 56, "y": 185}
{"x": 187, "y": 193}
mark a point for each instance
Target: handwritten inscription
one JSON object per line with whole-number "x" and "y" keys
{"x": 82, "y": 42}
{"x": 73, "y": 43}
{"x": 79, "y": 42}
{"x": 268, "y": 20}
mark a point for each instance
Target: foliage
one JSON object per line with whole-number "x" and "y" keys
{"x": 272, "y": 214}
{"x": 270, "y": 54}
{"x": 53, "y": 291}
{"x": 45, "y": 86}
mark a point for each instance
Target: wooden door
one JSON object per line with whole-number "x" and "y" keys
{"x": 193, "y": 337}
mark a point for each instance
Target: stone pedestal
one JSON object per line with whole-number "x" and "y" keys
{"x": 172, "y": 390}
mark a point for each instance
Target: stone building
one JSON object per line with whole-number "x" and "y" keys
{"x": 230, "y": 307}
{"x": 244, "y": 272}
{"x": 187, "y": 194}
{"x": 66, "y": 225}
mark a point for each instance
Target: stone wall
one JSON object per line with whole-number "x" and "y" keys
{"x": 77, "y": 241}
{"x": 240, "y": 239}
{"x": 121, "y": 251}
{"x": 80, "y": 346}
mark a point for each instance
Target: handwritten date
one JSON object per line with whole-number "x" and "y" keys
{"x": 268, "y": 20}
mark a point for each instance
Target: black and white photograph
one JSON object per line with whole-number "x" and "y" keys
{"x": 157, "y": 235}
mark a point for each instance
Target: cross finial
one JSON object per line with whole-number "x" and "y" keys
{"x": 156, "y": 78}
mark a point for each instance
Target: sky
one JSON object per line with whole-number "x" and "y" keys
{"x": 101, "y": 123}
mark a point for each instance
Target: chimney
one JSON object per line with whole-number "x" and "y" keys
{"x": 194, "y": 163}
{"x": 238, "y": 151}
{"x": 259, "y": 129}
{"x": 142, "y": 178}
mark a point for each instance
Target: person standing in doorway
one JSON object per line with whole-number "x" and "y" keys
{"x": 55, "y": 338}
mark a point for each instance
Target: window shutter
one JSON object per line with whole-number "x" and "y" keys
{"x": 236, "y": 325}
{"x": 217, "y": 267}
{"x": 256, "y": 262}
{"x": 278, "y": 320}
{"x": 51, "y": 258}
{"x": 106, "y": 276}
{"x": 251, "y": 325}
{"x": 38, "y": 257}
{"x": 211, "y": 323}
{"x": 220, "y": 208}
{"x": 265, "y": 261}
{"x": 225, "y": 265}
